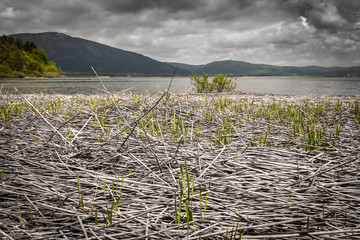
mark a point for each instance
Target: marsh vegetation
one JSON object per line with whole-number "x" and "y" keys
{"x": 172, "y": 166}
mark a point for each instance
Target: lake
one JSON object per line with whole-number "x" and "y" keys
{"x": 268, "y": 85}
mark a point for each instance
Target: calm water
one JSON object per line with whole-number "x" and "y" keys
{"x": 274, "y": 85}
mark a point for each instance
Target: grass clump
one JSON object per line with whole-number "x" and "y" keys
{"x": 356, "y": 111}
{"x": 219, "y": 83}
{"x": 185, "y": 197}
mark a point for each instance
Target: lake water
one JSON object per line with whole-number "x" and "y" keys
{"x": 269, "y": 85}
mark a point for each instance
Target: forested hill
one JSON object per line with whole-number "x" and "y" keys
{"x": 18, "y": 59}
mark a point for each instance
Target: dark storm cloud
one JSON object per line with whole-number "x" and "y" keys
{"x": 39, "y": 15}
{"x": 282, "y": 32}
{"x": 141, "y": 5}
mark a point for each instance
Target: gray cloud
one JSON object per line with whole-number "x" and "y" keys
{"x": 325, "y": 15}
{"x": 330, "y": 15}
{"x": 141, "y": 5}
{"x": 282, "y": 32}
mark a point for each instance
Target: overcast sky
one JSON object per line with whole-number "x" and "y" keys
{"x": 277, "y": 32}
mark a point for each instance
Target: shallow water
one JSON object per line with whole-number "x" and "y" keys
{"x": 267, "y": 85}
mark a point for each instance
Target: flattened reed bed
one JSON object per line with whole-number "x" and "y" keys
{"x": 196, "y": 166}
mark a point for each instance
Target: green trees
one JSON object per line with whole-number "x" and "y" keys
{"x": 219, "y": 83}
{"x": 18, "y": 59}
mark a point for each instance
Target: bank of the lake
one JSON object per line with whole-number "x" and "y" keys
{"x": 179, "y": 166}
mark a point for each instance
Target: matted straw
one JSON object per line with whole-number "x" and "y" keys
{"x": 277, "y": 191}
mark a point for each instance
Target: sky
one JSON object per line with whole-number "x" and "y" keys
{"x": 277, "y": 32}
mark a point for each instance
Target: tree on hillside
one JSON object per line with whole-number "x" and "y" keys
{"x": 18, "y": 59}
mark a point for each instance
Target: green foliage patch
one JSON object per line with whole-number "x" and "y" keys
{"x": 18, "y": 59}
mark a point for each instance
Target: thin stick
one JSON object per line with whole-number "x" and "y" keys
{"x": 32, "y": 204}
{"x": 93, "y": 233}
{"x": 147, "y": 222}
{"x": 53, "y": 128}
{"x": 109, "y": 237}
{"x": 97, "y": 119}
{"x": 156, "y": 158}
{"x": 81, "y": 129}
{"x": 108, "y": 93}
{"x": 252, "y": 227}
{"x": 81, "y": 224}
{"x": 63, "y": 125}
{"x": 57, "y": 154}
{"x": 210, "y": 164}
{"x": 147, "y": 112}
{"x": 3, "y": 233}
{"x": 62, "y": 233}
{"x": 319, "y": 172}
{"x": 135, "y": 158}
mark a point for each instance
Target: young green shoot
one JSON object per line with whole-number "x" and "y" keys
{"x": 81, "y": 194}
{"x": 94, "y": 197}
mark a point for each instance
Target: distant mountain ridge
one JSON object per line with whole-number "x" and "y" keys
{"x": 241, "y": 68}
{"x": 74, "y": 54}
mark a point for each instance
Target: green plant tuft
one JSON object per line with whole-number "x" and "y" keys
{"x": 219, "y": 83}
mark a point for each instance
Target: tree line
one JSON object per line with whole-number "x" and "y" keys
{"x": 19, "y": 59}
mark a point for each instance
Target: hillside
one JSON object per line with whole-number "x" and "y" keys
{"x": 19, "y": 59}
{"x": 249, "y": 69}
{"x": 77, "y": 55}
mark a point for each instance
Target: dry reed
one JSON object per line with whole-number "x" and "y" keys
{"x": 276, "y": 191}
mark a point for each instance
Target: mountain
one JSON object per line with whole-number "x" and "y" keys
{"x": 241, "y": 68}
{"x": 73, "y": 54}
